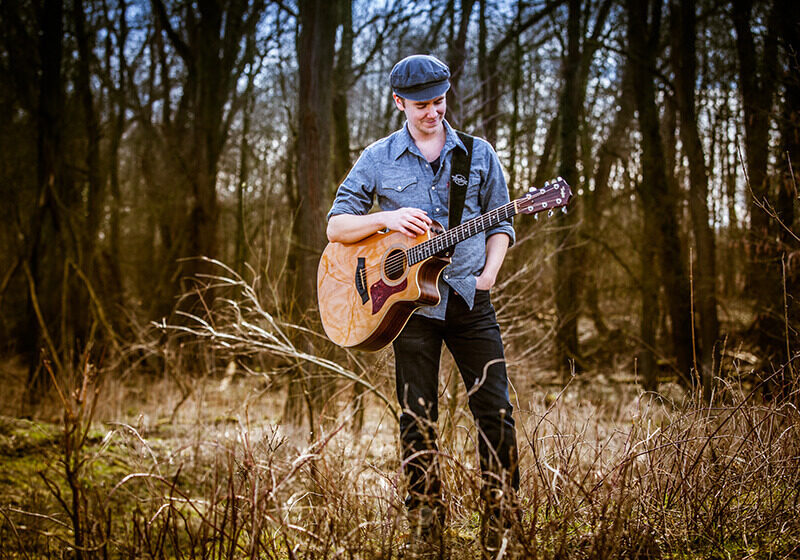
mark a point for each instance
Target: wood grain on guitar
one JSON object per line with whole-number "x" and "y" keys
{"x": 368, "y": 290}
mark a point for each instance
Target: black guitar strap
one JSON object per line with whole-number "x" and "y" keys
{"x": 459, "y": 179}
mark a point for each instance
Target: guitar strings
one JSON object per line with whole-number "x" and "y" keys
{"x": 396, "y": 263}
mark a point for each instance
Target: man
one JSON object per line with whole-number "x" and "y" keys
{"x": 409, "y": 173}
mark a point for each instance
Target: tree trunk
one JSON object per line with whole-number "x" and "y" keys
{"x": 658, "y": 202}
{"x": 456, "y": 60}
{"x": 567, "y": 292}
{"x": 95, "y": 196}
{"x": 788, "y": 195}
{"x": 646, "y": 356}
{"x": 513, "y": 125}
{"x": 240, "y": 248}
{"x": 43, "y": 262}
{"x": 314, "y": 180}
{"x": 757, "y": 86}
{"x": 114, "y": 289}
{"x": 488, "y": 71}
{"x": 491, "y": 69}
{"x": 683, "y": 33}
{"x": 615, "y": 147}
{"x": 341, "y": 85}
{"x": 314, "y": 184}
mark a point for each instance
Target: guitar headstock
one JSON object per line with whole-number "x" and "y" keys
{"x": 554, "y": 194}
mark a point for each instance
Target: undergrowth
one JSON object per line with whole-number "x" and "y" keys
{"x": 205, "y": 468}
{"x": 652, "y": 479}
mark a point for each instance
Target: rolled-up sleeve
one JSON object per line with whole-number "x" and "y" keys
{"x": 494, "y": 192}
{"x": 355, "y": 194}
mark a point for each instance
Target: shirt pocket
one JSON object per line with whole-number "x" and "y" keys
{"x": 396, "y": 192}
{"x": 398, "y": 184}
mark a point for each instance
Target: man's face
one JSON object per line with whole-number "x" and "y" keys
{"x": 424, "y": 117}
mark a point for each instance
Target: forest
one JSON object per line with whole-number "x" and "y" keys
{"x": 166, "y": 171}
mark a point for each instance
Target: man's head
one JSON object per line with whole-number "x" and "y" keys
{"x": 419, "y": 83}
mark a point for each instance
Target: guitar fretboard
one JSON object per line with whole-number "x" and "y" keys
{"x": 452, "y": 237}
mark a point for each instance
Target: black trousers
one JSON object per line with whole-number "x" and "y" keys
{"x": 473, "y": 338}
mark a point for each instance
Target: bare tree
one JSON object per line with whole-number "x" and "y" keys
{"x": 658, "y": 202}
{"x": 315, "y": 50}
{"x": 342, "y": 76}
{"x": 757, "y": 86}
{"x": 211, "y": 46}
{"x": 457, "y": 58}
{"x": 684, "y": 63}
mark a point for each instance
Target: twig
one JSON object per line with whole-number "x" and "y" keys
{"x": 38, "y": 311}
{"x": 22, "y": 547}
{"x": 691, "y": 313}
{"x": 7, "y": 279}
{"x": 786, "y": 317}
{"x": 97, "y": 305}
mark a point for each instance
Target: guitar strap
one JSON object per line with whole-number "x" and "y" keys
{"x": 459, "y": 179}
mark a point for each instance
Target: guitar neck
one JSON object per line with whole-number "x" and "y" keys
{"x": 452, "y": 237}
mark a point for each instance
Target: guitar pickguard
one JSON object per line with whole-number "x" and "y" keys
{"x": 379, "y": 292}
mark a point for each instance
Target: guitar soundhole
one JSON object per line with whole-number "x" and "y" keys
{"x": 395, "y": 264}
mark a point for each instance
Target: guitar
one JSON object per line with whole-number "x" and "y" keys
{"x": 368, "y": 290}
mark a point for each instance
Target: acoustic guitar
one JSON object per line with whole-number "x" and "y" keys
{"x": 368, "y": 290}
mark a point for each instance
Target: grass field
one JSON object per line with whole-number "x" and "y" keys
{"x": 205, "y": 468}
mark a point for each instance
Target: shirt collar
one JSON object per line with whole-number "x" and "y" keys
{"x": 405, "y": 142}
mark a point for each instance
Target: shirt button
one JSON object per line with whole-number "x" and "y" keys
{"x": 433, "y": 188}
{"x": 437, "y": 209}
{"x": 446, "y": 276}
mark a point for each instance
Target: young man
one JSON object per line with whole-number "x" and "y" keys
{"x": 409, "y": 173}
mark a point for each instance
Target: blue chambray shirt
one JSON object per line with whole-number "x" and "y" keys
{"x": 395, "y": 171}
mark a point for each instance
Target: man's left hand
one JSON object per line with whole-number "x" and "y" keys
{"x": 485, "y": 282}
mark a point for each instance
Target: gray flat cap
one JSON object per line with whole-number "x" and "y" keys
{"x": 420, "y": 77}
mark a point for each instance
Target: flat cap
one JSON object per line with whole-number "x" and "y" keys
{"x": 420, "y": 77}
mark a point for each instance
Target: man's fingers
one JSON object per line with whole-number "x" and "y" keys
{"x": 423, "y": 216}
{"x": 412, "y": 221}
{"x": 415, "y": 228}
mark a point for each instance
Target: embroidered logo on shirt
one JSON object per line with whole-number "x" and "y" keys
{"x": 459, "y": 180}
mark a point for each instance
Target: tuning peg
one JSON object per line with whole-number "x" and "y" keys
{"x": 536, "y": 216}
{"x": 549, "y": 213}
{"x": 564, "y": 209}
{"x": 546, "y": 184}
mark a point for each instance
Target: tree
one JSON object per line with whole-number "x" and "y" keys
{"x": 456, "y": 60}
{"x": 786, "y": 210}
{"x": 211, "y": 48}
{"x": 342, "y": 76}
{"x": 757, "y": 81}
{"x": 315, "y": 48}
{"x": 48, "y": 238}
{"x": 658, "y": 202}
{"x": 567, "y": 282}
{"x": 684, "y": 62}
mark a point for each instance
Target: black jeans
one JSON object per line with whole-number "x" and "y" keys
{"x": 473, "y": 338}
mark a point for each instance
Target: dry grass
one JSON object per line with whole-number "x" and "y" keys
{"x": 645, "y": 479}
{"x": 180, "y": 466}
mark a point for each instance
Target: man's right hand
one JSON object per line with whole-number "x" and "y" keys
{"x": 410, "y": 221}
{"x": 351, "y": 228}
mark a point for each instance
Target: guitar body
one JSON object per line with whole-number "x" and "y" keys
{"x": 367, "y": 292}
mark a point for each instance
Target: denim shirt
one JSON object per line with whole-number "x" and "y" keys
{"x": 394, "y": 170}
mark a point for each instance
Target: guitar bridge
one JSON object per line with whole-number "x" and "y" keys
{"x": 361, "y": 280}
